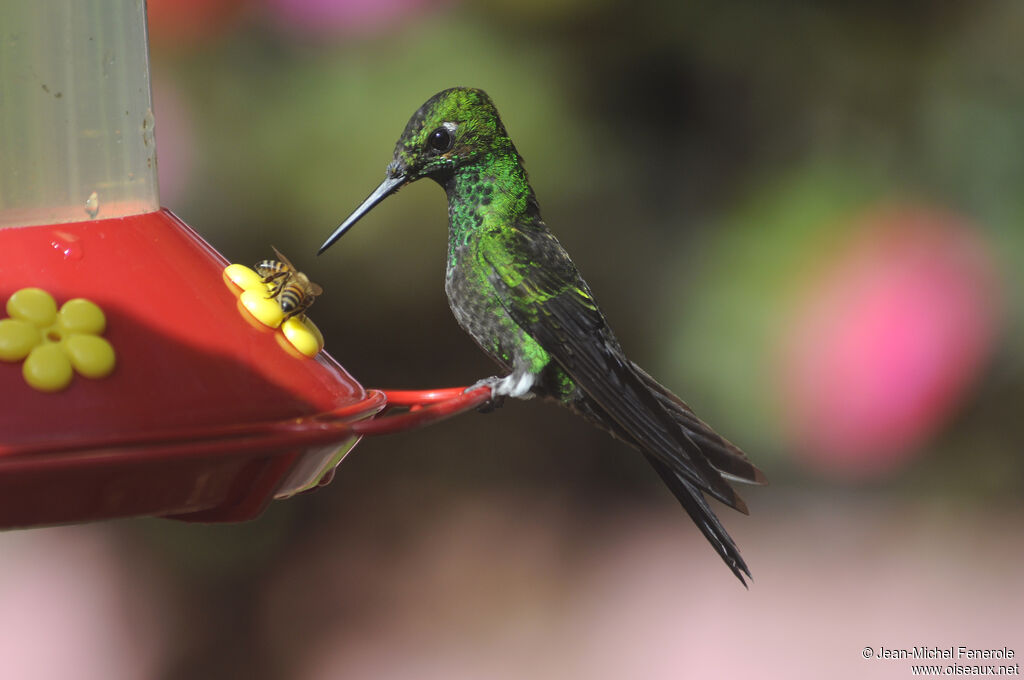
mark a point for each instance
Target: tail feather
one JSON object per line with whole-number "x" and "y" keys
{"x": 697, "y": 508}
{"x": 727, "y": 462}
{"x": 724, "y": 456}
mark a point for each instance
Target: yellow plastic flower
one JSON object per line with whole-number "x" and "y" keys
{"x": 55, "y": 343}
{"x": 300, "y": 332}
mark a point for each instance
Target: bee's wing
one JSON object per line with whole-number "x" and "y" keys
{"x": 308, "y": 287}
{"x": 282, "y": 258}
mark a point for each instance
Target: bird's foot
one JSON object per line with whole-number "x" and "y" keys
{"x": 496, "y": 400}
{"x": 512, "y": 385}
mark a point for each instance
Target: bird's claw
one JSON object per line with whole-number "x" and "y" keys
{"x": 496, "y": 399}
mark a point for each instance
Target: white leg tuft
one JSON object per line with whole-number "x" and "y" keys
{"x": 512, "y": 385}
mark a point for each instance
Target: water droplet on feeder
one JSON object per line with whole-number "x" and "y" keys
{"x": 92, "y": 205}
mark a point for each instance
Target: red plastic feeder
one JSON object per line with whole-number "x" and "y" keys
{"x": 207, "y": 414}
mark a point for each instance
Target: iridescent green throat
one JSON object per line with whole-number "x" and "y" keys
{"x": 489, "y": 195}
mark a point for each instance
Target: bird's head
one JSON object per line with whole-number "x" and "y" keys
{"x": 454, "y": 128}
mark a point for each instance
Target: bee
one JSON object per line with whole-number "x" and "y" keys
{"x": 292, "y": 289}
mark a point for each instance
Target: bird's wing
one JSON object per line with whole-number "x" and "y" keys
{"x": 543, "y": 292}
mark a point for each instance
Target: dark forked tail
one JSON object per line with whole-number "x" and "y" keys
{"x": 697, "y": 508}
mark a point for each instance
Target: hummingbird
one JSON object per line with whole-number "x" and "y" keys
{"x": 513, "y": 288}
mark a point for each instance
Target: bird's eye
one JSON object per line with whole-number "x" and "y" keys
{"x": 441, "y": 139}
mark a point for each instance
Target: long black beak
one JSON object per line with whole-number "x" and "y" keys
{"x": 389, "y": 186}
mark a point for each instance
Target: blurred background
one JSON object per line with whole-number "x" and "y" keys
{"x": 807, "y": 221}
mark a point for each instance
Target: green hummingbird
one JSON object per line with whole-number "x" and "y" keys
{"x": 515, "y": 290}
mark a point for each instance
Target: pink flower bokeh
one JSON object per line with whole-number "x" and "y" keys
{"x": 491, "y": 589}
{"x": 74, "y": 604}
{"x": 891, "y": 335}
{"x": 324, "y": 17}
